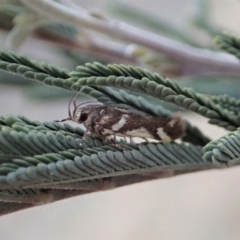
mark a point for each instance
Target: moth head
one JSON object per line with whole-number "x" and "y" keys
{"x": 80, "y": 115}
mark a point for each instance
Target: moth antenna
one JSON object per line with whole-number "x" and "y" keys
{"x": 70, "y": 116}
{"x": 85, "y": 103}
{"x": 63, "y": 120}
{"x": 75, "y": 98}
{"x": 69, "y": 107}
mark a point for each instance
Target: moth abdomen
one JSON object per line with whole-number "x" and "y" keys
{"x": 174, "y": 128}
{"x": 137, "y": 125}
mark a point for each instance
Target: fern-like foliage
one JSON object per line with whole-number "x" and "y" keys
{"x": 55, "y": 155}
{"x": 224, "y": 151}
{"x": 42, "y": 162}
{"x": 227, "y": 102}
{"x": 229, "y": 43}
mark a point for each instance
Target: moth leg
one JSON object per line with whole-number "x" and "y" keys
{"x": 98, "y": 129}
{"x": 75, "y": 97}
{"x": 107, "y": 139}
{"x": 89, "y": 131}
{"x": 114, "y": 139}
{"x": 146, "y": 140}
{"x": 131, "y": 139}
{"x": 86, "y": 134}
{"x": 100, "y": 132}
{"x": 84, "y": 137}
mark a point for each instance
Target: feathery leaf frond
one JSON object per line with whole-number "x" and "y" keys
{"x": 40, "y": 160}
{"x": 229, "y": 43}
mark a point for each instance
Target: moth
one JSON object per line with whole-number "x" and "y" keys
{"x": 106, "y": 122}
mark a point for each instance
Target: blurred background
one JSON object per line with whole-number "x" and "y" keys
{"x": 201, "y": 206}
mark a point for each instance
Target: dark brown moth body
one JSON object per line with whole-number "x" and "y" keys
{"x": 106, "y": 121}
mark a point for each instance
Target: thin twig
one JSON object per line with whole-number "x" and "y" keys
{"x": 194, "y": 61}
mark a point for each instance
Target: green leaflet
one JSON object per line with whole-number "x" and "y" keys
{"x": 142, "y": 81}
{"x": 16, "y": 60}
{"x": 48, "y": 73}
{"x": 229, "y": 43}
{"x": 120, "y": 76}
{"x": 94, "y": 163}
{"x": 100, "y": 82}
{"x": 227, "y": 102}
{"x": 216, "y": 114}
{"x": 224, "y": 151}
{"x": 43, "y": 162}
{"x": 37, "y": 153}
{"x": 151, "y": 84}
{"x": 40, "y": 160}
